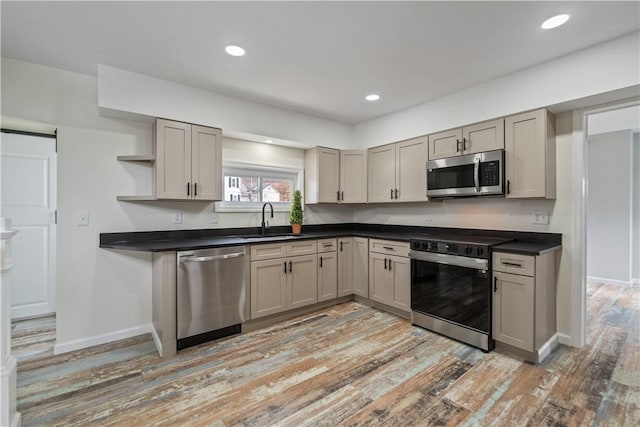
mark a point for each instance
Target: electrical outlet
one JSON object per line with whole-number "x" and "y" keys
{"x": 82, "y": 218}
{"x": 214, "y": 217}
{"x": 427, "y": 216}
{"x": 541, "y": 218}
{"x": 177, "y": 217}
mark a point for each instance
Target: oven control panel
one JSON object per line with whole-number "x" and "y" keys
{"x": 452, "y": 248}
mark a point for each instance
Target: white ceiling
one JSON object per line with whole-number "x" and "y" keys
{"x": 320, "y": 58}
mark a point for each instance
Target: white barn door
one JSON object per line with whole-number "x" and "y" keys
{"x": 28, "y": 197}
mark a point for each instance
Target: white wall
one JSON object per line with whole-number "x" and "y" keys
{"x": 122, "y": 90}
{"x": 602, "y": 68}
{"x": 609, "y": 235}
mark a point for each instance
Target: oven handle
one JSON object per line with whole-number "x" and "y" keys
{"x": 459, "y": 261}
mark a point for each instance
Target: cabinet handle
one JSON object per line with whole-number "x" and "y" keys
{"x": 511, "y": 264}
{"x": 342, "y": 195}
{"x": 195, "y": 189}
{"x": 396, "y": 193}
{"x": 285, "y": 267}
{"x": 389, "y": 248}
{"x": 392, "y": 194}
{"x": 320, "y": 262}
{"x": 508, "y": 186}
{"x": 385, "y": 263}
{"x": 290, "y": 267}
{"x": 389, "y": 265}
{"x": 341, "y": 246}
{"x": 338, "y": 195}
{"x": 457, "y": 145}
{"x": 327, "y": 245}
{"x": 495, "y": 284}
{"x": 188, "y": 188}
{"x": 464, "y": 144}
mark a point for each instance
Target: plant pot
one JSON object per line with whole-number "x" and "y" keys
{"x": 296, "y": 228}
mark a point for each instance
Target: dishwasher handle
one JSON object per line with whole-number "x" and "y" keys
{"x": 191, "y": 258}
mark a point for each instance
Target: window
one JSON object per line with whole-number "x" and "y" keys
{"x": 247, "y": 187}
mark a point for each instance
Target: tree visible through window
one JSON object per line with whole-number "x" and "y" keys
{"x": 245, "y": 185}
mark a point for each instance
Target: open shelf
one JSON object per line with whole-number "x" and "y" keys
{"x": 138, "y": 158}
{"x": 135, "y": 198}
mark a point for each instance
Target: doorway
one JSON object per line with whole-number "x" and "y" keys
{"x": 607, "y": 212}
{"x": 28, "y": 197}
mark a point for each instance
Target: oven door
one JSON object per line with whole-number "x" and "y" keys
{"x": 469, "y": 175}
{"x": 452, "y": 289}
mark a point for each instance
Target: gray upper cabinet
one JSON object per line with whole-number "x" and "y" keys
{"x": 188, "y": 162}
{"x": 397, "y": 172}
{"x": 530, "y": 151}
{"x": 476, "y": 138}
{"x": 335, "y": 176}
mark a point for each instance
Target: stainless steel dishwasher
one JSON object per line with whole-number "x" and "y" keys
{"x": 210, "y": 294}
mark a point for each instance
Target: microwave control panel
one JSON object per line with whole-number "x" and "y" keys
{"x": 489, "y": 173}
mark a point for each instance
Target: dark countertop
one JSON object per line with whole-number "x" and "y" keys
{"x": 183, "y": 240}
{"x": 527, "y": 248}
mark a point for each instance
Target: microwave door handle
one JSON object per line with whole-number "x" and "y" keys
{"x": 476, "y": 173}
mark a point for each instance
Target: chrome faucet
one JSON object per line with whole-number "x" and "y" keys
{"x": 266, "y": 225}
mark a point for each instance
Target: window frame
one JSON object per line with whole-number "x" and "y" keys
{"x": 266, "y": 171}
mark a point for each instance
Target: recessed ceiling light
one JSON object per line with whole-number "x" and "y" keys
{"x": 372, "y": 97}
{"x": 268, "y": 141}
{"x": 555, "y": 21}
{"x": 234, "y": 50}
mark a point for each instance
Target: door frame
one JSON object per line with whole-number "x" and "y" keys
{"x": 580, "y": 135}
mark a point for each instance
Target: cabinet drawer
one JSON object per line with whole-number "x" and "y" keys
{"x": 389, "y": 247}
{"x": 327, "y": 245}
{"x": 269, "y": 251}
{"x": 523, "y": 265}
{"x": 302, "y": 247}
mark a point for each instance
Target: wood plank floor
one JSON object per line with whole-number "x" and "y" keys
{"x": 347, "y": 365}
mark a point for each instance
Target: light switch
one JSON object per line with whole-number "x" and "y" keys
{"x": 82, "y": 218}
{"x": 214, "y": 217}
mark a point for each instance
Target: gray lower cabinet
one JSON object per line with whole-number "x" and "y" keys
{"x": 327, "y": 276}
{"x": 283, "y": 283}
{"x": 524, "y": 303}
{"x": 360, "y": 266}
{"x": 345, "y": 266}
{"x": 390, "y": 273}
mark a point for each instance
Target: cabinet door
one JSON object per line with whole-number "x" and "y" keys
{"x": 353, "y": 176}
{"x": 379, "y": 278}
{"x": 445, "y": 144}
{"x": 302, "y": 281}
{"x": 525, "y": 139}
{"x": 206, "y": 163}
{"x": 382, "y": 174}
{"x": 302, "y": 247}
{"x": 267, "y": 287}
{"x": 411, "y": 170}
{"x": 345, "y": 266}
{"x": 400, "y": 271}
{"x": 513, "y": 310}
{"x": 173, "y": 159}
{"x": 361, "y": 266}
{"x": 484, "y": 136}
{"x": 328, "y": 175}
{"x": 327, "y": 276}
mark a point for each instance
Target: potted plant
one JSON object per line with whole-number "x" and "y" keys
{"x": 296, "y": 212}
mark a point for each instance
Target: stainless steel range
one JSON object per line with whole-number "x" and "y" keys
{"x": 451, "y": 287}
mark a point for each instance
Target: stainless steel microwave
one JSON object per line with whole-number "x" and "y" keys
{"x": 480, "y": 174}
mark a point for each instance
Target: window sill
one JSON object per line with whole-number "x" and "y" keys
{"x": 252, "y": 208}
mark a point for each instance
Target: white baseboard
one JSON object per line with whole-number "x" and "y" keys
{"x": 564, "y": 339}
{"x": 609, "y": 281}
{"x": 548, "y": 347}
{"x": 156, "y": 340}
{"x": 81, "y": 343}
